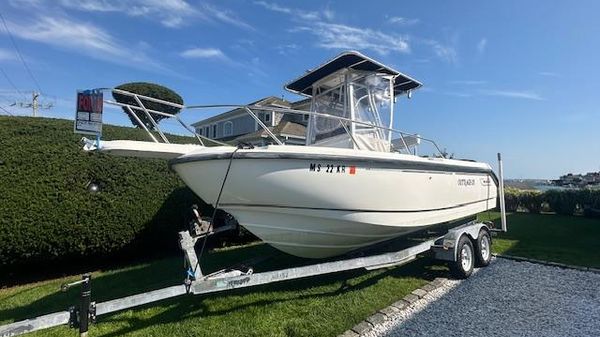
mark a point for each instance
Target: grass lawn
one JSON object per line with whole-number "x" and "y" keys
{"x": 319, "y": 306}
{"x": 549, "y": 237}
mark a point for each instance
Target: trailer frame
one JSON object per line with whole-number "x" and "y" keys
{"x": 443, "y": 248}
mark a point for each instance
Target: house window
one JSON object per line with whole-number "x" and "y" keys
{"x": 305, "y": 117}
{"x": 227, "y": 129}
{"x": 214, "y": 127}
{"x": 267, "y": 117}
{"x": 206, "y": 129}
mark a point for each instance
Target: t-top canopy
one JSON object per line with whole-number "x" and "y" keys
{"x": 353, "y": 60}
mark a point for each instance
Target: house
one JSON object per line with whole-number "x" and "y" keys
{"x": 579, "y": 180}
{"x": 237, "y": 126}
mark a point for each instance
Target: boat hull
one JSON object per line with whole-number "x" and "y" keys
{"x": 314, "y": 205}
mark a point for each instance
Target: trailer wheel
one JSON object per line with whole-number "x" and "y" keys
{"x": 483, "y": 252}
{"x": 465, "y": 259}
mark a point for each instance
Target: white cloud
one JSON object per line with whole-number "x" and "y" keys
{"x": 329, "y": 14}
{"x": 482, "y": 45}
{"x": 525, "y": 94}
{"x": 335, "y": 35}
{"x": 213, "y": 53}
{"x": 403, "y": 21}
{"x": 224, "y": 16}
{"x": 170, "y": 13}
{"x": 446, "y": 52}
{"x": 298, "y": 13}
{"x": 332, "y": 35}
{"x": 80, "y": 37}
{"x": 339, "y": 36}
{"x": 273, "y": 7}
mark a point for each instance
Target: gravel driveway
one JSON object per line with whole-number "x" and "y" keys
{"x": 507, "y": 298}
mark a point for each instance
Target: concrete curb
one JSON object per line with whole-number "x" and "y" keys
{"x": 547, "y": 263}
{"x": 387, "y": 312}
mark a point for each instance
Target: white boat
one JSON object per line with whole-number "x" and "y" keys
{"x": 353, "y": 185}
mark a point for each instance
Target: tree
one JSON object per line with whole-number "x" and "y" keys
{"x": 150, "y": 90}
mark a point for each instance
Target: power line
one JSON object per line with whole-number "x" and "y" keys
{"x": 8, "y": 112}
{"x": 11, "y": 82}
{"x": 19, "y": 53}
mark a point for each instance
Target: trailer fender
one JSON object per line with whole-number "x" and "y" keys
{"x": 446, "y": 248}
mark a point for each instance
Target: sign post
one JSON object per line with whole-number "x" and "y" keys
{"x": 88, "y": 116}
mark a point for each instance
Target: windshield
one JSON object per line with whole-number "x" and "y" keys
{"x": 358, "y": 96}
{"x": 331, "y": 102}
{"x": 371, "y": 96}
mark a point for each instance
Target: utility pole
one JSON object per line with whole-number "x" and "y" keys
{"x": 35, "y": 104}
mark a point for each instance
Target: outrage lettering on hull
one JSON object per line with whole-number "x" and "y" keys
{"x": 466, "y": 182}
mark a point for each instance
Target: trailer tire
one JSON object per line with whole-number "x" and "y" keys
{"x": 462, "y": 268}
{"x": 483, "y": 251}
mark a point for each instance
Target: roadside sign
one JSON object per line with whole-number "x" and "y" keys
{"x": 88, "y": 116}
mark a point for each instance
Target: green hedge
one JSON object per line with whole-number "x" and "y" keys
{"x": 560, "y": 201}
{"x": 47, "y": 213}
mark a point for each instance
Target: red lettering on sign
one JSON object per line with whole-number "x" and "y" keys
{"x": 89, "y": 102}
{"x": 83, "y": 103}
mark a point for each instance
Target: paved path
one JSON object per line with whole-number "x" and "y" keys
{"x": 507, "y": 298}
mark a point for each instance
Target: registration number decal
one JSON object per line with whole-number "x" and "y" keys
{"x": 331, "y": 168}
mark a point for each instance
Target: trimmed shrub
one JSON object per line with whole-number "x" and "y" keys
{"x": 148, "y": 90}
{"x": 48, "y": 214}
{"x": 562, "y": 202}
{"x": 591, "y": 203}
{"x": 511, "y": 199}
{"x": 532, "y": 200}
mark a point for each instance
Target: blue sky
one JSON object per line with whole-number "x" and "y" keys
{"x": 518, "y": 77}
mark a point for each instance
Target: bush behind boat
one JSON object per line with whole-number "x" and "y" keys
{"x": 563, "y": 202}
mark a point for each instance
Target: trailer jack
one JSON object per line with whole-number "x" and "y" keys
{"x": 81, "y": 317}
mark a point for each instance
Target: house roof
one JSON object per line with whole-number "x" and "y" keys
{"x": 290, "y": 129}
{"x": 286, "y": 128}
{"x": 352, "y": 60}
{"x": 267, "y": 101}
{"x": 301, "y": 103}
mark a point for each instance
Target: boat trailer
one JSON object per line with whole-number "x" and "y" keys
{"x": 448, "y": 247}
{"x": 444, "y": 248}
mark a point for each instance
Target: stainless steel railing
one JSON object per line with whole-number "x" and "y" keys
{"x": 250, "y": 110}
